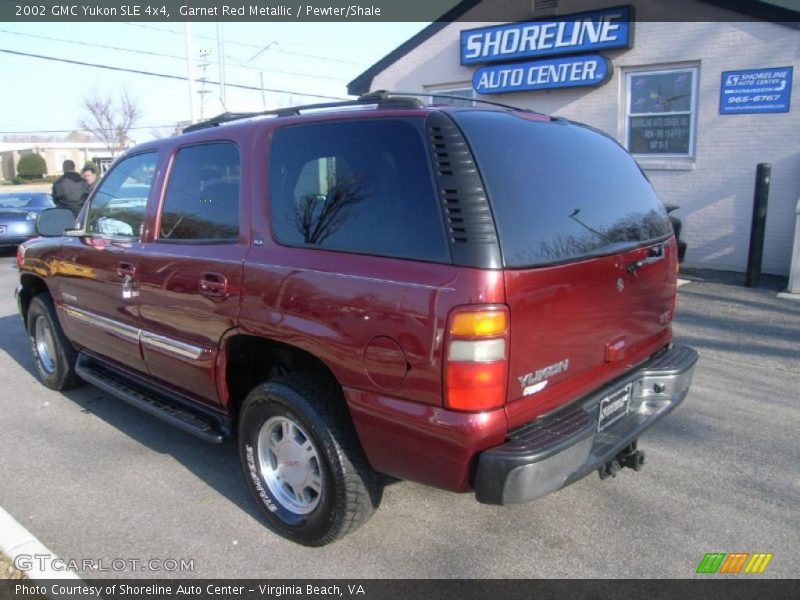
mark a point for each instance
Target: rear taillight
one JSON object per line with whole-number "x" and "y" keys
{"x": 476, "y": 358}
{"x": 20, "y": 255}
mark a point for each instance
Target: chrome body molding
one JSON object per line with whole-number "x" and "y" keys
{"x": 170, "y": 346}
{"x": 136, "y": 335}
{"x": 126, "y": 332}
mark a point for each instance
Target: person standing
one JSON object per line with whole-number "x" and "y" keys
{"x": 89, "y": 175}
{"x": 69, "y": 190}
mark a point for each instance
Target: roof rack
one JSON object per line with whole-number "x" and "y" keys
{"x": 383, "y": 99}
{"x": 433, "y": 94}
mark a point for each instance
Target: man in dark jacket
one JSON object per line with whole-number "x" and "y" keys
{"x": 69, "y": 190}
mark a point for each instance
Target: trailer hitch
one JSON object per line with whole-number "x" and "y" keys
{"x": 629, "y": 458}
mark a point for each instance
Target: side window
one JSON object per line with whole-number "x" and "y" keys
{"x": 362, "y": 187}
{"x": 118, "y": 206}
{"x": 202, "y": 197}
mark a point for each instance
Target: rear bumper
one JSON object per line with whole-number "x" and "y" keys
{"x": 543, "y": 457}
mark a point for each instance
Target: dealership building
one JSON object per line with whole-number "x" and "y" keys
{"x": 698, "y": 103}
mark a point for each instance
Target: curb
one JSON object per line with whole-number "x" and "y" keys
{"x": 15, "y": 541}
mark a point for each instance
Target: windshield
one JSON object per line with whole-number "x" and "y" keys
{"x": 23, "y": 201}
{"x": 560, "y": 191}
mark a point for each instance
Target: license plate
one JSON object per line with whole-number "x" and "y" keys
{"x": 613, "y": 407}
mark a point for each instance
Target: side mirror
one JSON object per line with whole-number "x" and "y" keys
{"x": 54, "y": 222}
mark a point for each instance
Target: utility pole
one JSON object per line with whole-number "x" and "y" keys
{"x": 221, "y": 62}
{"x": 187, "y": 31}
{"x": 204, "y": 64}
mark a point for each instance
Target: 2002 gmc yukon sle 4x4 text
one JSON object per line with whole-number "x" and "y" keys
{"x": 475, "y": 298}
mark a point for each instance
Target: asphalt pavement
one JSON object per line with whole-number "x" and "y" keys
{"x": 94, "y": 478}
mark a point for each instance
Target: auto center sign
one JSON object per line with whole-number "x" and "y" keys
{"x": 541, "y": 75}
{"x": 572, "y": 34}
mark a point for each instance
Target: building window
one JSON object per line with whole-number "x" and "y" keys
{"x": 661, "y": 109}
{"x": 466, "y": 93}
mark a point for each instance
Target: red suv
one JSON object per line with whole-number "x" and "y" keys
{"x": 478, "y": 299}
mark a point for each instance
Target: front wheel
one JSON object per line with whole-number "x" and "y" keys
{"x": 53, "y": 354}
{"x": 303, "y": 462}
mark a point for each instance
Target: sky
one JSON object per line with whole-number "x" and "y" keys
{"x": 43, "y": 96}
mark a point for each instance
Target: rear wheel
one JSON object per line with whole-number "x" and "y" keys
{"x": 53, "y": 354}
{"x": 302, "y": 460}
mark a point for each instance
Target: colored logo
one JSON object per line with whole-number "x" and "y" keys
{"x": 734, "y": 563}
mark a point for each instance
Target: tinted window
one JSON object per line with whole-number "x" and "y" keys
{"x": 202, "y": 198}
{"x": 560, "y": 191}
{"x": 118, "y": 206}
{"x": 359, "y": 186}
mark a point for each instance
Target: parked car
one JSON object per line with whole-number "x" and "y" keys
{"x": 677, "y": 227}
{"x": 477, "y": 299}
{"x": 18, "y": 212}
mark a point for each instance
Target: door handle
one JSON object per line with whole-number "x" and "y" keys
{"x": 214, "y": 285}
{"x": 126, "y": 270}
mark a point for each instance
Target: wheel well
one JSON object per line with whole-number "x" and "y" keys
{"x": 32, "y": 286}
{"x": 252, "y": 360}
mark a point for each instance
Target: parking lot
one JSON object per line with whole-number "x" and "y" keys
{"x": 94, "y": 478}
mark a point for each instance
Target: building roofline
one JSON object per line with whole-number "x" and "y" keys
{"x": 756, "y": 9}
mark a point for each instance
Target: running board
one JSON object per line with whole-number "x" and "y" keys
{"x": 152, "y": 402}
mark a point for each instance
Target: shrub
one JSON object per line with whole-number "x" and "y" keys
{"x": 31, "y": 166}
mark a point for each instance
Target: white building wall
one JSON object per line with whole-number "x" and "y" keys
{"x": 716, "y": 191}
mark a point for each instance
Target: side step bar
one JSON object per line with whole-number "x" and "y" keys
{"x": 151, "y": 402}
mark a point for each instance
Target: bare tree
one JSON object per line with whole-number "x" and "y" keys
{"x": 110, "y": 121}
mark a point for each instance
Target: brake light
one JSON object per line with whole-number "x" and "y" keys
{"x": 20, "y": 255}
{"x": 476, "y": 358}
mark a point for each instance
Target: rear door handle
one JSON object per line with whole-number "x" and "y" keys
{"x": 214, "y": 285}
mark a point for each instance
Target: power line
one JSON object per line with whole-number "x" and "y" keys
{"x": 166, "y": 75}
{"x": 79, "y": 129}
{"x": 163, "y": 55}
{"x": 245, "y": 44}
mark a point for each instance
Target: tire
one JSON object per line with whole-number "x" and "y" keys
{"x": 53, "y": 354}
{"x": 303, "y": 462}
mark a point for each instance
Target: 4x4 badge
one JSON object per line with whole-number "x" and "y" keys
{"x": 620, "y": 285}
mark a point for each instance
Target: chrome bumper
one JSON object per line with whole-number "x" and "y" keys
{"x": 544, "y": 457}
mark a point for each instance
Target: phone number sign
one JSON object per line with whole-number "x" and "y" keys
{"x": 755, "y": 91}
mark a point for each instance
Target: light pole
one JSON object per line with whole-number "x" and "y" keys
{"x": 261, "y": 73}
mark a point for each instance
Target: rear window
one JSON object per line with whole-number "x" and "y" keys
{"x": 356, "y": 186}
{"x": 560, "y": 191}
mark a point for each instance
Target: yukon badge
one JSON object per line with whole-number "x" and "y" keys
{"x": 537, "y": 381}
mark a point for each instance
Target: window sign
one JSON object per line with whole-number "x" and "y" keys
{"x": 572, "y": 34}
{"x": 661, "y": 107}
{"x": 447, "y": 96}
{"x": 756, "y": 91}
